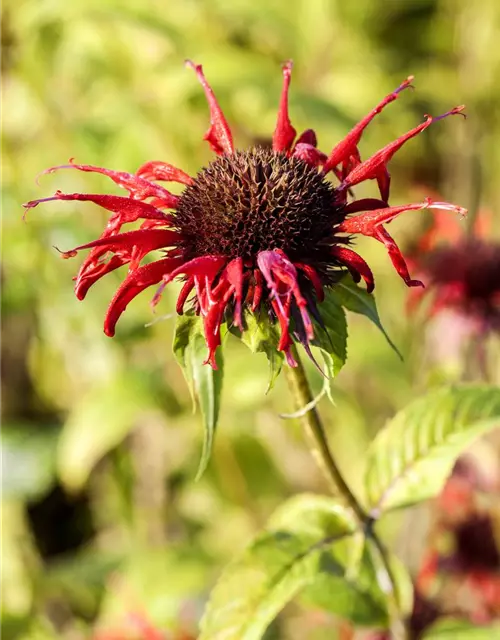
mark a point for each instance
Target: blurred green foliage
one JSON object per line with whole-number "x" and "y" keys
{"x": 100, "y": 514}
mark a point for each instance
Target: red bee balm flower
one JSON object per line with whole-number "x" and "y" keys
{"x": 463, "y": 272}
{"x": 255, "y": 228}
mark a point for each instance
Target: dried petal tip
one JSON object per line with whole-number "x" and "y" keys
{"x": 452, "y": 112}
{"x": 446, "y": 206}
{"x": 65, "y": 255}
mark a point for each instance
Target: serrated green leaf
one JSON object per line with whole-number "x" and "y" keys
{"x": 356, "y": 299}
{"x": 99, "y": 422}
{"x": 205, "y": 383}
{"x": 412, "y": 456}
{"x": 451, "y": 629}
{"x": 305, "y": 550}
{"x": 331, "y": 338}
{"x": 261, "y": 336}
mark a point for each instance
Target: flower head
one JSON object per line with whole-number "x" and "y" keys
{"x": 259, "y": 228}
{"x": 463, "y": 272}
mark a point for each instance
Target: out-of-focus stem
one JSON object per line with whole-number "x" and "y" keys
{"x": 316, "y": 435}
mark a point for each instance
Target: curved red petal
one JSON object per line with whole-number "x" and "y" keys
{"x": 138, "y": 187}
{"x": 284, "y": 133}
{"x": 382, "y": 235}
{"x": 375, "y": 166}
{"x": 187, "y": 287}
{"x": 348, "y": 146}
{"x": 135, "y": 282}
{"x": 309, "y": 154}
{"x": 356, "y": 265}
{"x": 219, "y": 135}
{"x": 124, "y": 209}
{"x": 90, "y": 273}
{"x": 308, "y": 137}
{"x": 202, "y": 267}
{"x": 145, "y": 239}
{"x": 313, "y": 276}
{"x": 157, "y": 170}
{"x": 234, "y": 276}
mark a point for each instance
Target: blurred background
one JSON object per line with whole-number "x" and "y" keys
{"x": 104, "y": 528}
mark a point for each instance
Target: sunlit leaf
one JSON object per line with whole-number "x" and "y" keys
{"x": 205, "y": 383}
{"x": 412, "y": 456}
{"x": 356, "y": 299}
{"x": 451, "y": 629}
{"x": 330, "y": 336}
{"x": 305, "y": 550}
{"x": 261, "y": 336}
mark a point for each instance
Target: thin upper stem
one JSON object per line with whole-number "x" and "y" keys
{"x": 315, "y": 432}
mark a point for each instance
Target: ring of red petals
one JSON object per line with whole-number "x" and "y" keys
{"x": 218, "y": 280}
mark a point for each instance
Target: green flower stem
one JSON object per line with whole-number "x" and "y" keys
{"x": 315, "y": 433}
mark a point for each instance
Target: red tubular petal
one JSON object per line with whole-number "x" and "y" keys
{"x": 234, "y": 275}
{"x": 136, "y": 281}
{"x": 308, "y": 154}
{"x": 125, "y": 209}
{"x": 356, "y": 265}
{"x": 258, "y": 290}
{"x": 219, "y": 135}
{"x": 383, "y": 178}
{"x": 285, "y": 342}
{"x": 90, "y": 273}
{"x": 211, "y": 323}
{"x": 396, "y": 257}
{"x": 211, "y": 326}
{"x": 368, "y": 222}
{"x": 284, "y": 133}
{"x": 274, "y": 264}
{"x": 145, "y": 239}
{"x": 138, "y": 187}
{"x": 374, "y": 167}
{"x": 308, "y": 137}
{"x": 187, "y": 287}
{"x": 347, "y": 147}
{"x": 203, "y": 267}
{"x": 157, "y": 170}
{"x": 371, "y": 224}
{"x": 313, "y": 276}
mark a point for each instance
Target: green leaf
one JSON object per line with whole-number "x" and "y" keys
{"x": 451, "y": 629}
{"x": 99, "y": 422}
{"x": 356, "y": 299}
{"x": 412, "y": 456}
{"x": 262, "y": 336}
{"x": 331, "y": 337}
{"x": 306, "y": 550}
{"x": 205, "y": 383}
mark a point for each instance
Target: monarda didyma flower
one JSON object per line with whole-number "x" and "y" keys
{"x": 462, "y": 272}
{"x": 256, "y": 228}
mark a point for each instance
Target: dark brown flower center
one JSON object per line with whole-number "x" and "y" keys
{"x": 258, "y": 200}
